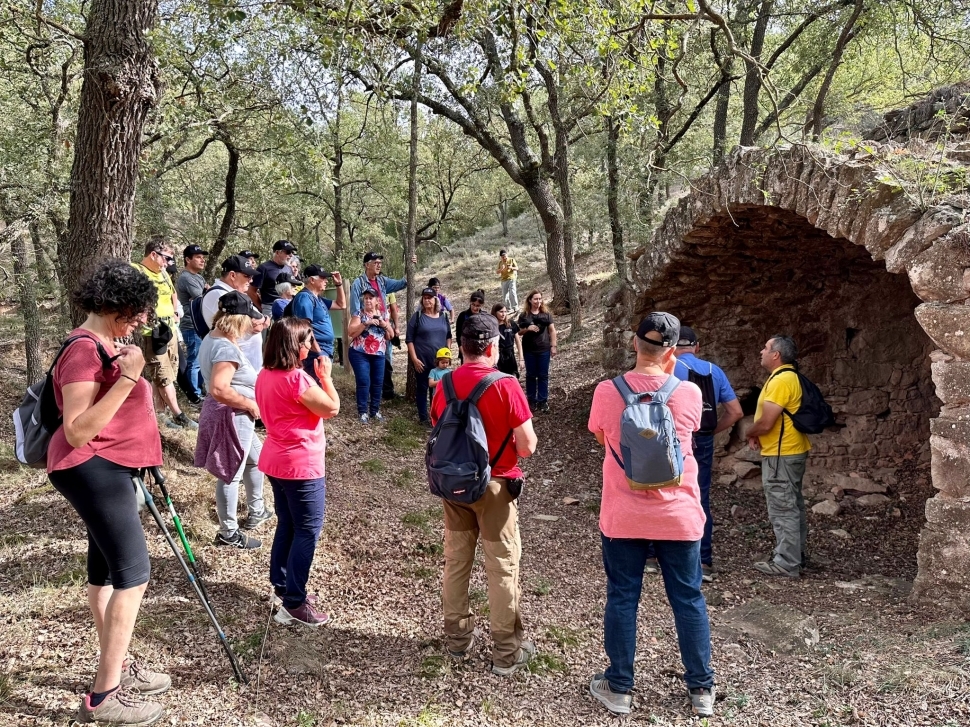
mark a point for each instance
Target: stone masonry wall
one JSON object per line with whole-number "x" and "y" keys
{"x": 803, "y": 242}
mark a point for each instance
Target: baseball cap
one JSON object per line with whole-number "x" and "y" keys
{"x": 368, "y": 291}
{"x": 480, "y": 327}
{"x": 237, "y": 304}
{"x": 284, "y": 245}
{"x": 368, "y": 256}
{"x": 315, "y": 271}
{"x": 443, "y": 353}
{"x": 687, "y": 337}
{"x": 237, "y": 264}
{"x": 433, "y": 282}
{"x": 428, "y": 292}
{"x": 193, "y": 250}
{"x": 248, "y": 254}
{"x": 286, "y": 278}
{"x": 665, "y": 324}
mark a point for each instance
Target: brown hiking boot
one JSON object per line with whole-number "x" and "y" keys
{"x": 120, "y": 709}
{"x": 139, "y": 680}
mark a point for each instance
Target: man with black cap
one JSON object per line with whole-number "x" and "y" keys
{"x": 715, "y": 389}
{"x": 264, "y": 282}
{"x": 669, "y": 518}
{"x": 494, "y": 518}
{"x": 236, "y": 275}
{"x": 310, "y": 305}
{"x": 189, "y": 286}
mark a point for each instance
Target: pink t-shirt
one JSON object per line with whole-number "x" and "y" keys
{"x": 295, "y": 444}
{"x": 670, "y": 513}
{"x": 130, "y": 438}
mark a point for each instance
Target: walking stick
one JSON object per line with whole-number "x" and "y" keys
{"x": 150, "y": 502}
{"x": 159, "y": 480}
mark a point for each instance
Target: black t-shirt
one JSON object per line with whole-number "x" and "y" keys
{"x": 533, "y": 342}
{"x": 507, "y": 340}
{"x": 265, "y": 280}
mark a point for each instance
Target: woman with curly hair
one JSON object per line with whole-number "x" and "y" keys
{"x": 109, "y": 430}
{"x": 369, "y": 331}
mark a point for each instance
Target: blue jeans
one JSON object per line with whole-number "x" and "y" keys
{"x": 680, "y": 565}
{"x": 536, "y": 376}
{"x": 300, "y": 507}
{"x": 369, "y": 373}
{"x": 421, "y": 389}
{"x": 192, "y": 371}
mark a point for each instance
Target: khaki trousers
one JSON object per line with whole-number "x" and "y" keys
{"x": 495, "y": 518}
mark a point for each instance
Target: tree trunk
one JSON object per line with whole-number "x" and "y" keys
{"x": 229, "y": 214}
{"x": 338, "y": 163}
{"x": 613, "y": 195}
{"x": 816, "y": 116}
{"x": 45, "y": 275}
{"x": 502, "y": 212}
{"x": 410, "y": 238}
{"x": 566, "y": 201}
{"x": 121, "y": 85}
{"x": 550, "y": 213}
{"x": 752, "y": 81}
{"x": 25, "y": 283}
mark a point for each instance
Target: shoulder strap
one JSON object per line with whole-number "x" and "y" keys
{"x": 663, "y": 394}
{"x": 105, "y": 358}
{"x": 484, "y": 383}
{"x": 628, "y": 394}
{"x": 449, "y": 387}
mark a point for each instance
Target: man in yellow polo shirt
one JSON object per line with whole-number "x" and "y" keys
{"x": 162, "y": 368}
{"x": 784, "y": 451}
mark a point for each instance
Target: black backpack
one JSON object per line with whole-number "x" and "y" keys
{"x": 814, "y": 413}
{"x": 704, "y": 382}
{"x": 457, "y": 453}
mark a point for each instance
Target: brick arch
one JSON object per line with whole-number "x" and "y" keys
{"x": 873, "y": 288}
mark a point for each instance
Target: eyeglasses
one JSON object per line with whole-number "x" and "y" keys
{"x": 167, "y": 258}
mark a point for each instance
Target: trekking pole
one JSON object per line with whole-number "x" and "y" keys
{"x": 150, "y": 502}
{"x": 159, "y": 479}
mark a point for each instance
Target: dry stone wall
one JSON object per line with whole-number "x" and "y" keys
{"x": 803, "y": 242}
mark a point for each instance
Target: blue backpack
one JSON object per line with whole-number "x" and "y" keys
{"x": 457, "y": 453}
{"x": 650, "y": 452}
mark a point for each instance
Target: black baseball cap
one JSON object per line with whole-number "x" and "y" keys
{"x": 480, "y": 327}
{"x": 286, "y": 278}
{"x": 368, "y": 291}
{"x": 248, "y": 254}
{"x": 193, "y": 250}
{"x": 665, "y": 324}
{"x": 284, "y": 245}
{"x": 237, "y": 304}
{"x": 237, "y": 264}
{"x": 687, "y": 337}
{"x": 368, "y": 256}
{"x": 429, "y": 292}
{"x": 315, "y": 271}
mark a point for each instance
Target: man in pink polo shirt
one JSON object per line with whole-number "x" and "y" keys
{"x": 669, "y": 518}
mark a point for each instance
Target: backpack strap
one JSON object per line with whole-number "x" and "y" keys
{"x": 484, "y": 383}
{"x": 660, "y": 396}
{"x": 449, "y": 388}
{"x": 105, "y": 358}
{"x": 628, "y": 395}
{"x": 663, "y": 394}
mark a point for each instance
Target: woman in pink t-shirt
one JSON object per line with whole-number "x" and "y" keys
{"x": 293, "y": 407}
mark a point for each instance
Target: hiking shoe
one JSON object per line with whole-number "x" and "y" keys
{"x": 616, "y": 702}
{"x": 526, "y": 652}
{"x": 770, "y": 568}
{"x": 377, "y": 417}
{"x": 278, "y": 598}
{"x": 707, "y": 573}
{"x": 702, "y": 701}
{"x": 652, "y": 568}
{"x": 364, "y": 419}
{"x": 184, "y": 422}
{"x": 304, "y": 614}
{"x": 170, "y": 423}
{"x": 119, "y": 708}
{"x": 542, "y": 406}
{"x": 139, "y": 680}
{"x": 463, "y": 654}
{"x": 239, "y": 540}
{"x": 254, "y": 521}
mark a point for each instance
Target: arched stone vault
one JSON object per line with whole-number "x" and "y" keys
{"x": 802, "y": 241}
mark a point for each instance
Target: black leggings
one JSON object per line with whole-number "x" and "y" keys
{"x": 104, "y": 496}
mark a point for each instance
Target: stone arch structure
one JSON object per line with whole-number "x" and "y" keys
{"x": 875, "y": 291}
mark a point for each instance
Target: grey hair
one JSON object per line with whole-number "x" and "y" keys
{"x": 474, "y": 348}
{"x": 284, "y": 288}
{"x": 648, "y": 350}
{"x": 786, "y": 348}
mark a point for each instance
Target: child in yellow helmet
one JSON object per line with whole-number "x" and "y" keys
{"x": 444, "y": 366}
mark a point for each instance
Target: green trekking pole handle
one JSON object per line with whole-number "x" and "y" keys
{"x": 159, "y": 478}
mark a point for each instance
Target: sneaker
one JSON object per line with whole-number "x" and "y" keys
{"x": 184, "y": 422}
{"x": 304, "y": 614}
{"x": 770, "y": 568}
{"x": 377, "y": 417}
{"x": 616, "y": 702}
{"x": 707, "y": 573}
{"x": 364, "y": 419}
{"x": 278, "y": 598}
{"x": 526, "y": 652}
{"x": 139, "y": 680}
{"x": 464, "y": 653}
{"x": 239, "y": 540}
{"x": 426, "y": 423}
{"x": 254, "y": 521}
{"x": 702, "y": 701}
{"x": 652, "y": 568}
{"x": 543, "y": 406}
{"x": 168, "y": 422}
{"x": 119, "y": 708}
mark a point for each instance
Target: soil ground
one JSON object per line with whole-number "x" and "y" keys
{"x": 879, "y": 660}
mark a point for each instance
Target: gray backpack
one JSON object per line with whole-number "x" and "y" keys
{"x": 37, "y": 417}
{"x": 650, "y": 452}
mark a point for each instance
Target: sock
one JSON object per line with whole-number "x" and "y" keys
{"x": 98, "y": 697}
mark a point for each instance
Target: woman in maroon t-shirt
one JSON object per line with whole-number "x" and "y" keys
{"x": 109, "y": 430}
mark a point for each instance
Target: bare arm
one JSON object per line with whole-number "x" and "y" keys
{"x": 732, "y": 413}
{"x": 601, "y": 438}
{"x": 525, "y": 439}
{"x": 355, "y": 327}
{"x": 769, "y": 415}
{"x": 322, "y": 400}
{"x": 341, "y": 302}
{"x": 553, "y": 336}
{"x": 518, "y": 347}
{"x": 221, "y": 389}
{"x": 418, "y": 366}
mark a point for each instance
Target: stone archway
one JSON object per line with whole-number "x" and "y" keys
{"x": 874, "y": 290}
